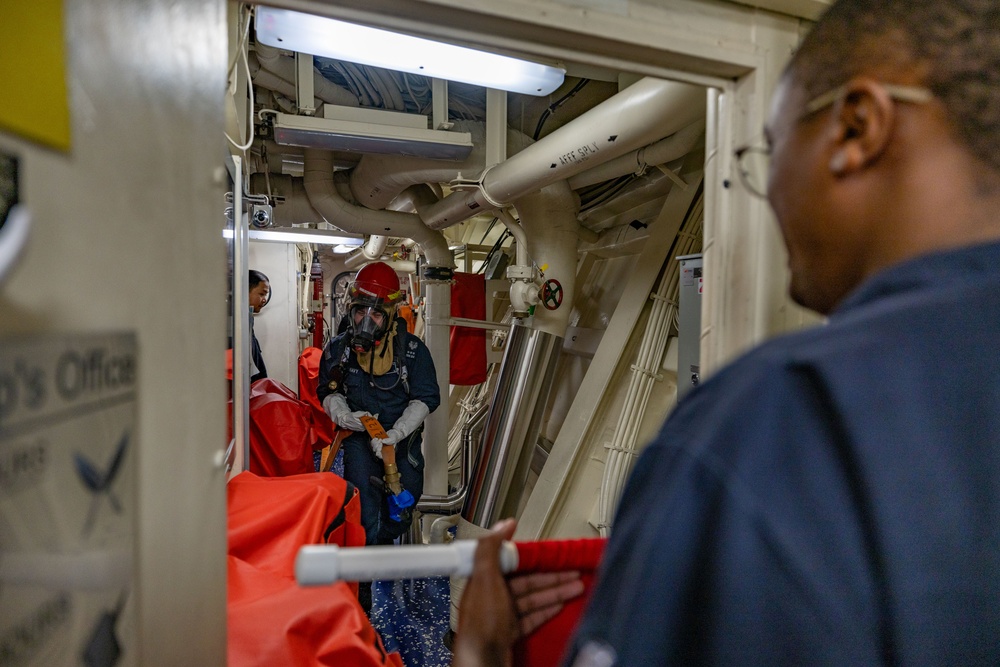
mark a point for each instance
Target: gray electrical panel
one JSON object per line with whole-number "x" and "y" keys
{"x": 689, "y": 324}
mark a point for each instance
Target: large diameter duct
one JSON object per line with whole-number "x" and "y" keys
{"x": 317, "y": 178}
{"x": 645, "y": 112}
{"x": 294, "y": 207}
{"x": 378, "y": 179}
{"x": 512, "y": 425}
{"x": 370, "y": 251}
{"x": 322, "y": 193}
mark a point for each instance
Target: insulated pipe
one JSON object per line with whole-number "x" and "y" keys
{"x": 370, "y": 251}
{"x": 378, "y": 179}
{"x": 295, "y": 208}
{"x": 283, "y": 67}
{"x": 322, "y": 193}
{"x": 520, "y": 238}
{"x": 550, "y": 224}
{"x": 677, "y": 145}
{"x": 646, "y": 111}
{"x": 437, "y": 337}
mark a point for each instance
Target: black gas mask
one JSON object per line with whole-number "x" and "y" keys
{"x": 369, "y": 325}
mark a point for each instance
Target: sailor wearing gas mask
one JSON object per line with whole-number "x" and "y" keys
{"x": 377, "y": 368}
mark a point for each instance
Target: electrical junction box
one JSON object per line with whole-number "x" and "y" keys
{"x": 689, "y": 324}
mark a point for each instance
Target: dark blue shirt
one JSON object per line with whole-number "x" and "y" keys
{"x": 831, "y": 498}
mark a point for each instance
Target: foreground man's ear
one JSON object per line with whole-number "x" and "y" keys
{"x": 865, "y": 116}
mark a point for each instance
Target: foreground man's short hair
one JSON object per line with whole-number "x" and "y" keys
{"x": 952, "y": 46}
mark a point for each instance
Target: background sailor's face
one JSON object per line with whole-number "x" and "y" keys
{"x": 376, "y": 316}
{"x": 259, "y": 295}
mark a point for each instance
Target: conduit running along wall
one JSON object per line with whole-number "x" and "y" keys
{"x": 648, "y": 363}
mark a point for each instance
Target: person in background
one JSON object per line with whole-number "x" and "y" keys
{"x": 260, "y": 294}
{"x": 833, "y": 496}
{"x": 376, "y": 368}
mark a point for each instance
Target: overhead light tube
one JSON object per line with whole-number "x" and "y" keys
{"x": 330, "y": 38}
{"x": 318, "y": 236}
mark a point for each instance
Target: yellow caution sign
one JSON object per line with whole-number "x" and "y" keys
{"x": 35, "y": 103}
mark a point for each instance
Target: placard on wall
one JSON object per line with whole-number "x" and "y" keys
{"x": 68, "y": 500}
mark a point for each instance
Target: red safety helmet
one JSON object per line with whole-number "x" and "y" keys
{"x": 376, "y": 284}
{"x": 374, "y": 295}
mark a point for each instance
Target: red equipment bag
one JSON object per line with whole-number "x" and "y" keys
{"x": 309, "y": 362}
{"x": 468, "y": 344}
{"x": 271, "y": 619}
{"x": 282, "y": 436}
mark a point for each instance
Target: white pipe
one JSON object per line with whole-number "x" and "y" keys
{"x": 646, "y": 111}
{"x": 283, "y": 67}
{"x": 369, "y": 252}
{"x": 549, "y": 221}
{"x": 440, "y": 527}
{"x": 520, "y": 238}
{"x": 378, "y": 179}
{"x": 677, "y": 145}
{"x": 318, "y": 180}
{"x": 321, "y": 565}
{"x": 437, "y": 337}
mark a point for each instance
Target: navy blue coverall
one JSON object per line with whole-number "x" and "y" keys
{"x": 386, "y": 396}
{"x": 831, "y": 498}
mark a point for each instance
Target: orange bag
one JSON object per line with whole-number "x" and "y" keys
{"x": 282, "y": 431}
{"x": 271, "y": 619}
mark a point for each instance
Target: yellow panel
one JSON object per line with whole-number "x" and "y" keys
{"x": 34, "y": 103}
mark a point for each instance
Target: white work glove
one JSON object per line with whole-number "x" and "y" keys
{"x": 411, "y": 419}
{"x": 392, "y": 437}
{"x": 336, "y": 407}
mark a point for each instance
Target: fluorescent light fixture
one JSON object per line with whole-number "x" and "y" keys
{"x": 320, "y": 36}
{"x": 344, "y": 249}
{"x": 319, "y": 236}
{"x": 361, "y": 137}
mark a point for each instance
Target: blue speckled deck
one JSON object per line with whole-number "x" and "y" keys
{"x": 412, "y": 615}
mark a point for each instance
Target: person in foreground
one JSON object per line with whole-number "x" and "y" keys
{"x": 833, "y": 497}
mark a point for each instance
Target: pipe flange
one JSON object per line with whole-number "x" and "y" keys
{"x": 482, "y": 190}
{"x": 443, "y": 273}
